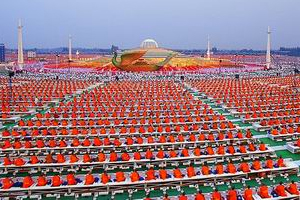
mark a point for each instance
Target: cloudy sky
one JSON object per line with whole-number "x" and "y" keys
{"x": 231, "y": 24}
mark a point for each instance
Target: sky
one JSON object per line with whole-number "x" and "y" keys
{"x": 177, "y": 24}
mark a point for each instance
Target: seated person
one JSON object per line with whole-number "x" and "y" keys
{"x": 149, "y": 154}
{"x": 177, "y": 173}
{"x": 256, "y": 164}
{"x": 293, "y": 189}
{"x": 137, "y": 155}
{"x": 113, "y": 156}
{"x": 244, "y": 166}
{"x": 231, "y": 167}
{"x": 7, "y": 161}
{"x": 86, "y": 158}
{"x": 163, "y": 174}
{"x": 125, "y": 156}
{"x": 7, "y": 183}
{"x": 160, "y": 154}
{"x": 73, "y": 158}
{"x": 252, "y": 147}
{"x": 166, "y": 197}
{"x": 41, "y": 181}
{"x": 248, "y": 194}
{"x": 185, "y": 152}
{"x": 280, "y": 190}
{"x": 182, "y": 196}
{"x": 262, "y": 147}
{"x": 219, "y": 169}
{"x": 135, "y": 176}
{"x": 56, "y": 181}
{"x": 216, "y": 195}
{"x": 190, "y": 171}
{"x": 280, "y": 162}
{"x": 105, "y": 178}
{"x": 205, "y": 169}
{"x": 209, "y": 150}
{"x": 230, "y": 149}
{"x": 49, "y": 159}
{"x": 150, "y": 174}
{"x": 120, "y": 176}
{"x": 269, "y": 163}
{"x": 199, "y": 196}
{"x": 19, "y": 161}
{"x": 27, "y": 182}
{"x": 34, "y": 159}
{"x": 248, "y": 133}
{"x": 60, "y": 158}
{"x": 90, "y": 179}
{"x": 263, "y": 191}
{"x": 71, "y": 180}
{"x": 232, "y": 194}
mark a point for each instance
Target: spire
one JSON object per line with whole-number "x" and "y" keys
{"x": 208, "y": 48}
{"x": 70, "y": 48}
{"x": 77, "y": 55}
{"x": 268, "y": 55}
{"x": 20, "y": 46}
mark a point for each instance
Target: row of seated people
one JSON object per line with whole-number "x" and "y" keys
{"x": 279, "y": 118}
{"x": 28, "y": 143}
{"x": 283, "y": 121}
{"x": 138, "y": 115}
{"x": 233, "y": 194}
{"x": 31, "y": 142}
{"x": 125, "y": 113}
{"x": 107, "y": 123}
{"x": 280, "y": 190}
{"x": 144, "y": 128}
{"x": 259, "y": 103}
{"x": 133, "y": 105}
{"x": 136, "y": 155}
{"x": 284, "y": 130}
{"x": 267, "y": 107}
{"x": 209, "y": 134}
{"x": 134, "y": 176}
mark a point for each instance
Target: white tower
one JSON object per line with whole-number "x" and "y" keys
{"x": 268, "y": 55}
{"x": 70, "y": 48}
{"x": 77, "y": 55}
{"x": 208, "y": 48}
{"x": 20, "y": 47}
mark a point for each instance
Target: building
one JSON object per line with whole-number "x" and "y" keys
{"x": 31, "y": 55}
{"x": 2, "y": 53}
{"x": 153, "y": 49}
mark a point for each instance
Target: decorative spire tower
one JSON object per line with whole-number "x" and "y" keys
{"x": 20, "y": 47}
{"x": 268, "y": 55}
{"x": 208, "y": 48}
{"x": 70, "y": 48}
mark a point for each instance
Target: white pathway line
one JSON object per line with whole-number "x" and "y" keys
{"x": 279, "y": 148}
{"x": 260, "y": 136}
{"x": 236, "y": 120}
{"x": 297, "y": 162}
